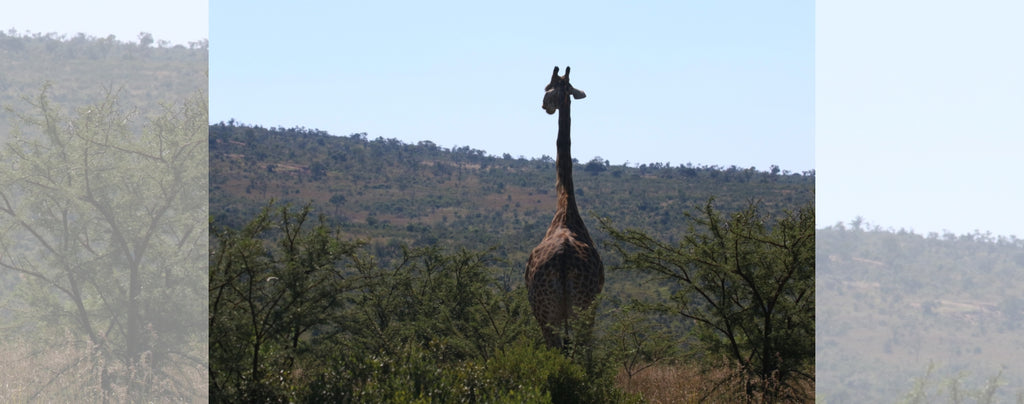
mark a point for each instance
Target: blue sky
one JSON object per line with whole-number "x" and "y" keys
{"x": 723, "y": 83}
{"x": 920, "y": 115}
{"x": 909, "y": 111}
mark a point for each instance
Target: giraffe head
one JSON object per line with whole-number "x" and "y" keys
{"x": 556, "y": 94}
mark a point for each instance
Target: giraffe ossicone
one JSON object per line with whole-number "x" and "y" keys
{"x": 551, "y": 95}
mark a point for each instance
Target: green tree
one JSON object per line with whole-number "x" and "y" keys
{"x": 596, "y": 166}
{"x": 337, "y": 200}
{"x": 747, "y": 284}
{"x": 266, "y": 302}
{"x": 103, "y": 218}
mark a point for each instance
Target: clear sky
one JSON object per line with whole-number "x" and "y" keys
{"x": 920, "y": 115}
{"x": 716, "y": 83}
{"x": 911, "y": 112}
{"x": 178, "y": 22}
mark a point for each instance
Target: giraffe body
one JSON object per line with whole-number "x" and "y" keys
{"x": 564, "y": 272}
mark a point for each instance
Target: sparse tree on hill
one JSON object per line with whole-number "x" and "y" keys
{"x": 145, "y": 39}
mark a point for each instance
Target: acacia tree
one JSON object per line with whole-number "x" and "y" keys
{"x": 103, "y": 219}
{"x": 270, "y": 300}
{"x": 747, "y": 284}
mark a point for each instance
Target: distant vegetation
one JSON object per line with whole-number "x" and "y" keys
{"x": 945, "y": 310}
{"x": 386, "y": 271}
{"x": 149, "y": 72}
{"x": 387, "y": 191}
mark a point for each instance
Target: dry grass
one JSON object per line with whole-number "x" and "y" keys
{"x": 660, "y": 384}
{"x": 68, "y": 372}
{"x": 688, "y": 384}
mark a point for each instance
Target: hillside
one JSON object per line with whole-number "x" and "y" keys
{"x": 81, "y": 68}
{"x": 431, "y": 308}
{"x": 394, "y": 193}
{"x": 893, "y": 303}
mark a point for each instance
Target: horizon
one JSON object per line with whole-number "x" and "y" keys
{"x": 911, "y": 124}
{"x": 723, "y": 84}
{"x": 499, "y": 155}
{"x": 178, "y": 22}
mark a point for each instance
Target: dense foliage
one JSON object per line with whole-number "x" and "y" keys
{"x": 297, "y": 313}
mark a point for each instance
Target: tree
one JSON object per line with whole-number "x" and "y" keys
{"x": 746, "y": 283}
{"x": 318, "y": 170}
{"x": 145, "y": 39}
{"x": 596, "y": 166}
{"x": 265, "y": 302}
{"x": 337, "y": 200}
{"x": 104, "y": 220}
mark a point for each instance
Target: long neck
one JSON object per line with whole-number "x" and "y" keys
{"x": 566, "y": 212}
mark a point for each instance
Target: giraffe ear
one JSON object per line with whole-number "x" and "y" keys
{"x": 577, "y": 94}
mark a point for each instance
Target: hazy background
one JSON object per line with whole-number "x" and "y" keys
{"x": 104, "y": 179}
{"x": 178, "y": 22}
{"x": 919, "y": 127}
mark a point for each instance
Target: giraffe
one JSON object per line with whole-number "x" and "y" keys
{"x": 564, "y": 272}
